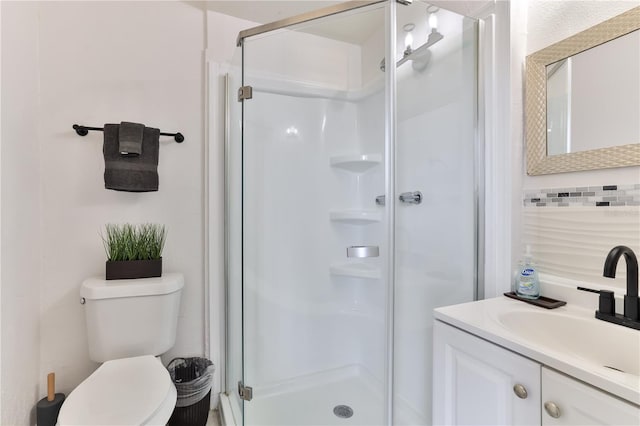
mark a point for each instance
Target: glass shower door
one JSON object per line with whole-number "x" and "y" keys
{"x": 314, "y": 330}
{"x": 233, "y": 235}
{"x": 436, "y": 182}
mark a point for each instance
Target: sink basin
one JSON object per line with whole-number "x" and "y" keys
{"x": 597, "y": 342}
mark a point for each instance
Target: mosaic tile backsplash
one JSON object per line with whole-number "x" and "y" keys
{"x": 599, "y": 196}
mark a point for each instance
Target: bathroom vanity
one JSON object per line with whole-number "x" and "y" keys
{"x": 501, "y": 361}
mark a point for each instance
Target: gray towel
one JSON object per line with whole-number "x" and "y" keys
{"x": 133, "y": 174}
{"x": 130, "y": 138}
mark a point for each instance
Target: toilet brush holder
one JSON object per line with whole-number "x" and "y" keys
{"x": 48, "y": 408}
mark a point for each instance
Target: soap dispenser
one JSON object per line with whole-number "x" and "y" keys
{"x": 527, "y": 283}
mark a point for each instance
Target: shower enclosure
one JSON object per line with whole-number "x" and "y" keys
{"x": 353, "y": 196}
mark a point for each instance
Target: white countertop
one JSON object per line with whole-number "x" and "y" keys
{"x": 486, "y": 319}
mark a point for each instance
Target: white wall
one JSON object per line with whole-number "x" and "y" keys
{"x": 91, "y": 63}
{"x": 21, "y": 214}
{"x": 550, "y": 21}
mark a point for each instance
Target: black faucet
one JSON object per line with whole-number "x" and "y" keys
{"x": 631, "y": 300}
{"x": 607, "y": 311}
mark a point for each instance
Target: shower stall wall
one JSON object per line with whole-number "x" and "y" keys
{"x": 335, "y": 148}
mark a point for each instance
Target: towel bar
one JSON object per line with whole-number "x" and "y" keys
{"x": 83, "y": 130}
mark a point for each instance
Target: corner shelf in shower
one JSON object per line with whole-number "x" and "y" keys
{"x": 356, "y": 270}
{"x": 355, "y": 217}
{"x": 358, "y": 163}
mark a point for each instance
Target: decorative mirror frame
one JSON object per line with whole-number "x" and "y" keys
{"x": 538, "y": 163}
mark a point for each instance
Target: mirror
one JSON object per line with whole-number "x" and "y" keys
{"x": 593, "y": 98}
{"x": 582, "y": 100}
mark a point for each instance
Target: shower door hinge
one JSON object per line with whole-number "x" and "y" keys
{"x": 245, "y": 392}
{"x": 245, "y": 92}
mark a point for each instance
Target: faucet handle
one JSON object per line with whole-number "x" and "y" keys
{"x": 607, "y": 301}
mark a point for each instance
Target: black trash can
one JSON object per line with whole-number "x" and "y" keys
{"x": 193, "y": 378}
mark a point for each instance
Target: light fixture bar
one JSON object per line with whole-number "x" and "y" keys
{"x": 434, "y": 37}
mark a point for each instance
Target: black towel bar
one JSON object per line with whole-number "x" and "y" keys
{"x": 83, "y": 130}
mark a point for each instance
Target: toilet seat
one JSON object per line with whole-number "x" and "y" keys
{"x": 128, "y": 391}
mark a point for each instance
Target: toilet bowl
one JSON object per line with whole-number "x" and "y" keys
{"x": 128, "y": 391}
{"x": 129, "y": 323}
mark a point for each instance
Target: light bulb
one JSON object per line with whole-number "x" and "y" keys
{"x": 433, "y": 22}
{"x": 408, "y": 41}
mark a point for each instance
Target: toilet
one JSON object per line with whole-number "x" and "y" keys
{"x": 129, "y": 324}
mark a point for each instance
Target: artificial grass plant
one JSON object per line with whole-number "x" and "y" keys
{"x": 134, "y": 242}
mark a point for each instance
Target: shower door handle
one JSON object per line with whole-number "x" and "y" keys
{"x": 405, "y": 197}
{"x": 411, "y": 197}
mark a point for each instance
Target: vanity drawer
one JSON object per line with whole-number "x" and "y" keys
{"x": 567, "y": 401}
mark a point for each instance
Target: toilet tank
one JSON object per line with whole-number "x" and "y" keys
{"x": 127, "y": 318}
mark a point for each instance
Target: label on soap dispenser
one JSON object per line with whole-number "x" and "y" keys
{"x": 527, "y": 283}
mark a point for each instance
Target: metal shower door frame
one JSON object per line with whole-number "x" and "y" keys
{"x": 487, "y": 106}
{"x": 390, "y": 135}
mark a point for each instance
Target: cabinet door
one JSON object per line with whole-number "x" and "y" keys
{"x": 581, "y": 404}
{"x": 473, "y": 382}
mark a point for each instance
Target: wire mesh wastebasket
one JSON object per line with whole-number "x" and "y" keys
{"x": 193, "y": 378}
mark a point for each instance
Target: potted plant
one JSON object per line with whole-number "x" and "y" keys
{"x": 134, "y": 251}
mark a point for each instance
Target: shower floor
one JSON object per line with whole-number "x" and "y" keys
{"x": 310, "y": 400}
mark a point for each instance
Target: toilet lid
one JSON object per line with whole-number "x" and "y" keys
{"x": 120, "y": 392}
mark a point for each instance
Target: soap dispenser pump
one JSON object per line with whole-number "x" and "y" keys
{"x": 527, "y": 283}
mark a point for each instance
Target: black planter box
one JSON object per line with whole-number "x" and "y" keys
{"x": 128, "y": 269}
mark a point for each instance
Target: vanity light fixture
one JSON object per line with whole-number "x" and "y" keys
{"x": 420, "y": 56}
{"x": 433, "y": 18}
{"x": 408, "y": 38}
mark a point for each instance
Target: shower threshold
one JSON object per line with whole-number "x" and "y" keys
{"x": 314, "y": 400}
{"x": 311, "y": 400}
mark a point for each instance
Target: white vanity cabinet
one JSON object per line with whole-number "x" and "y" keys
{"x": 567, "y": 401}
{"x": 478, "y": 383}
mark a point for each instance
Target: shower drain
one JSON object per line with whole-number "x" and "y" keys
{"x": 343, "y": 411}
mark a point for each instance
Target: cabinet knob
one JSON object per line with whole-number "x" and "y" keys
{"x": 520, "y": 391}
{"x": 552, "y": 409}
